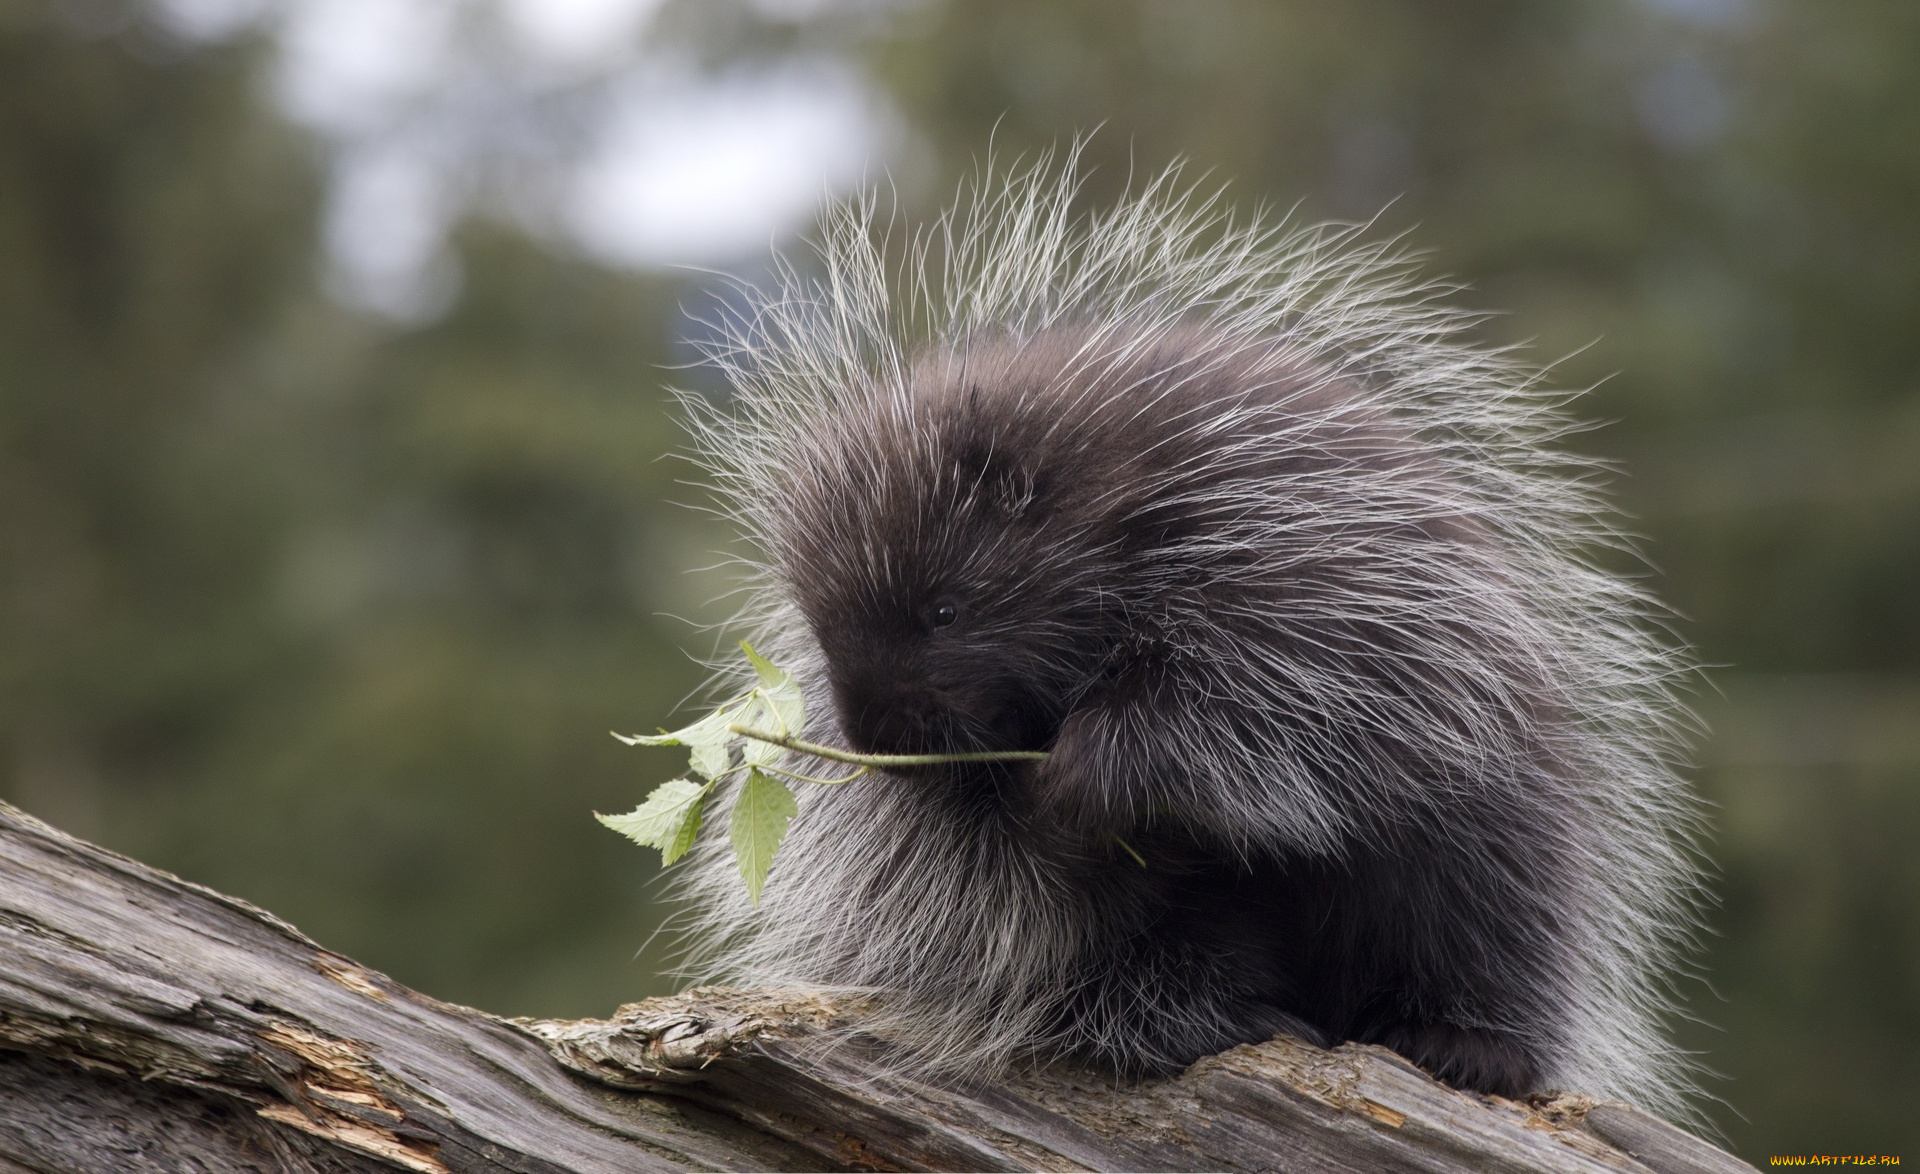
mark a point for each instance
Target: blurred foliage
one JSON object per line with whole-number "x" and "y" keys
{"x": 334, "y": 612}
{"x": 329, "y": 613}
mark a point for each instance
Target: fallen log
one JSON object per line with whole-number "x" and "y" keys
{"x": 150, "y": 1024}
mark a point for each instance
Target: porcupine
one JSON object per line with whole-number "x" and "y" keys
{"x": 1351, "y": 734}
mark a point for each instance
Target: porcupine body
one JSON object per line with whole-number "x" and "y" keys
{"x": 1348, "y": 735}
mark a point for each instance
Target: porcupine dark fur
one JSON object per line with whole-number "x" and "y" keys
{"x": 1298, "y": 590}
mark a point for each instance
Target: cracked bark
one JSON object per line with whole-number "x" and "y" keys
{"x": 149, "y": 1024}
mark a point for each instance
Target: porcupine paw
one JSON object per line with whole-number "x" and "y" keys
{"x": 1465, "y": 1057}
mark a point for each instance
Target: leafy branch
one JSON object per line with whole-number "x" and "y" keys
{"x": 746, "y": 736}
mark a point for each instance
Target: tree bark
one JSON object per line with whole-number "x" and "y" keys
{"x": 150, "y": 1024}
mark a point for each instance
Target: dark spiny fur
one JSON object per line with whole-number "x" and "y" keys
{"x": 1296, "y": 606}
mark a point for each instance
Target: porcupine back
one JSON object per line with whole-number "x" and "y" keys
{"x": 1257, "y": 476}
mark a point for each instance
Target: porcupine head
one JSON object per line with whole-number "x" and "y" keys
{"x": 1348, "y": 733}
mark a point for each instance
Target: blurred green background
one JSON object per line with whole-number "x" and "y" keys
{"x": 333, "y": 492}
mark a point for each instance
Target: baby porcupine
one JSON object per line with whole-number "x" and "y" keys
{"x": 1349, "y": 736}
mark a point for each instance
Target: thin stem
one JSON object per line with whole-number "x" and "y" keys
{"x": 884, "y": 760}
{"x": 810, "y": 779}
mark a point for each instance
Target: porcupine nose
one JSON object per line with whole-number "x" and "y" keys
{"x": 884, "y": 716}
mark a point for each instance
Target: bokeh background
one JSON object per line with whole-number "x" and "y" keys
{"x": 334, "y": 486}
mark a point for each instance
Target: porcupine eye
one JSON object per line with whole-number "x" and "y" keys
{"x": 944, "y": 613}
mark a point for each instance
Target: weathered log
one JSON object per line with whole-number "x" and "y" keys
{"x": 149, "y": 1024}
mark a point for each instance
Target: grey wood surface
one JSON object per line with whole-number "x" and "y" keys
{"x": 149, "y": 1024}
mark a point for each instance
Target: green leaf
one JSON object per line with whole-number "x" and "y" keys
{"x": 757, "y": 713}
{"x": 669, "y": 819}
{"x": 781, "y": 692}
{"x": 761, "y": 813}
{"x": 770, "y": 673}
{"x": 708, "y": 738}
{"x": 789, "y": 710}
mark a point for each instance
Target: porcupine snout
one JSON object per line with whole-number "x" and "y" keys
{"x": 881, "y": 713}
{"x": 898, "y": 707}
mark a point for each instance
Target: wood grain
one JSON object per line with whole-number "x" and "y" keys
{"x": 149, "y": 1024}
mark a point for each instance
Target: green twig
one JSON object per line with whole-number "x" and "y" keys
{"x": 883, "y": 761}
{"x": 810, "y": 779}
